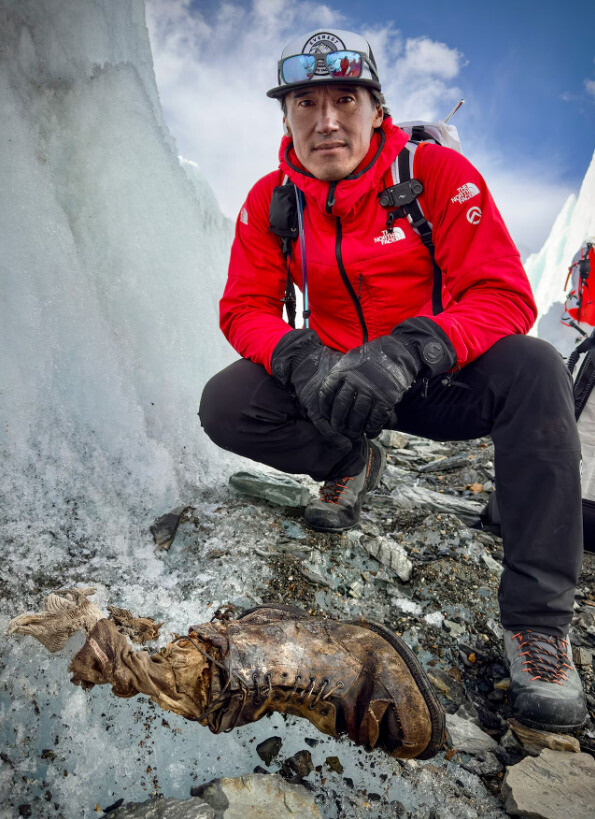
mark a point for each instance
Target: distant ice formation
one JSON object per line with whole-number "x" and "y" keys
{"x": 547, "y": 270}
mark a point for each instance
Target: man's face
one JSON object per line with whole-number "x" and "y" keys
{"x": 331, "y": 127}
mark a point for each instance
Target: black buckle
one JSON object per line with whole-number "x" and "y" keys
{"x": 399, "y": 195}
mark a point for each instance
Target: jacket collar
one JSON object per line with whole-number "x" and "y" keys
{"x": 340, "y": 198}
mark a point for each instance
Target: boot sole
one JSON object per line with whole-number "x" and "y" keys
{"x": 437, "y": 715}
{"x": 552, "y": 729}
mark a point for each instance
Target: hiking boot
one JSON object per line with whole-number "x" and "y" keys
{"x": 353, "y": 677}
{"x": 545, "y": 688}
{"x": 339, "y": 505}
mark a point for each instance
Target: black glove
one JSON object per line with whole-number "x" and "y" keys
{"x": 301, "y": 360}
{"x": 360, "y": 393}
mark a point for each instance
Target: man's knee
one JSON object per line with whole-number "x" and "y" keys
{"x": 529, "y": 358}
{"x": 240, "y": 399}
{"x": 225, "y": 397}
{"x": 214, "y": 405}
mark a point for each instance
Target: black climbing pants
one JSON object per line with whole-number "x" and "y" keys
{"x": 519, "y": 393}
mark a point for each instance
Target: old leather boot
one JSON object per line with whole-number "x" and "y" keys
{"x": 339, "y": 505}
{"x": 354, "y": 677}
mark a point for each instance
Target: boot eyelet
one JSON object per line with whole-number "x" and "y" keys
{"x": 324, "y": 712}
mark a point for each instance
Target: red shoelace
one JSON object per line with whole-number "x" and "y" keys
{"x": 547, "y": 656}
{"x": 332, "y": 490}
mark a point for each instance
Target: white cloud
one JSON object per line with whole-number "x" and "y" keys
{"x": 212, "y": 76}
{"x": 590, "y": 86}
{"x": 528, "y": 196}
{"x": 213, "y": 73}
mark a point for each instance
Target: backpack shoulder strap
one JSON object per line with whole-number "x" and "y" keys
{"x": 585, "y": 380}
{"x": 404, "y": 195}
{"x": 283, "y": 222}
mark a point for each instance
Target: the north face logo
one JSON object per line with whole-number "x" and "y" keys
{"x": 465, "y": 192}
{"x": 386, "y": 237}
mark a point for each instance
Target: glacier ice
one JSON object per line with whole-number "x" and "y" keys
{"x": 548, "y": 269}
{"x": 111, "y": 268}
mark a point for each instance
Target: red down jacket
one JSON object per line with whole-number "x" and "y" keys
{"x": 486, "y": 294}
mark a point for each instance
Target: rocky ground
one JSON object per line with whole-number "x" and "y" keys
{"x": 432, "y": 578}
{"x": 420, "y": 562}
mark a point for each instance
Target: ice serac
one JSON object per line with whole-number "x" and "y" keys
{"x": 113, "y": 259}
{"x": 547, "y": 270}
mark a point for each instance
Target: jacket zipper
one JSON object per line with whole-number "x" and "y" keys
{"x": 347, "y": 283}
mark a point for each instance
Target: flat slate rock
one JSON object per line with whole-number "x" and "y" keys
{"x": 258, "y": 796}
{"x": 391, "y": 554}
{"x": 554, "y": 785}
{"x": 279, "y": 489}
{"x": 466, "y": 736}
{"x": 407, "y": 498}
{"x": 164, "y": 809}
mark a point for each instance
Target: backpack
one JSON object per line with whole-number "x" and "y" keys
{"x": 400, "y": 200}
{"x": 580, "y": 301}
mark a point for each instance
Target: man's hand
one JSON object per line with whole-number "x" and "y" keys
{"x": 359, "y": 395}
{"x": 301, "y": 359}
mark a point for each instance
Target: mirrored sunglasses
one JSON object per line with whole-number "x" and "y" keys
{"x": 339, "y": 64}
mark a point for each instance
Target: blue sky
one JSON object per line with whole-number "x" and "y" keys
{"x": 525, "y": 69}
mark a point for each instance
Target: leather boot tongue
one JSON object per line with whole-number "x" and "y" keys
{"x": 369, "y": 729}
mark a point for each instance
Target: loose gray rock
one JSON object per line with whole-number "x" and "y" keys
{"x": 554, "y": 785}
{"x": 300, "y": 764}
{"x": 583, "y": 657}
{"x": 407, "y": 498}
{"x": 391, "y": 554}
{"x": 269, "y": 749}
{"x": 456, "y": 630}
{"x": 485, "y": 764}
{"x": 465, "y": 736}
{"x": 392, "y": 438}
{"x": 279, "y": 489}
{"x": 492, "y": 565}
{"x": 257, "y": 796}
{"x": 165, "y": 809}
{"x": 444, "y": 464}
{"x": 447, "y": 685}
{"x": 164, "y": 529}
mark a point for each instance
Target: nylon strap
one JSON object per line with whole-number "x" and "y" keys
{"x": 403, "y": 172}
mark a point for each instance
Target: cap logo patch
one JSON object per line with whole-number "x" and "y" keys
{"x": 323, "y": 43}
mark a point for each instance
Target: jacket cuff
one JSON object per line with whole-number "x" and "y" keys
{"x": 428, "y": 344}
{"x": 290, "y": 351}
